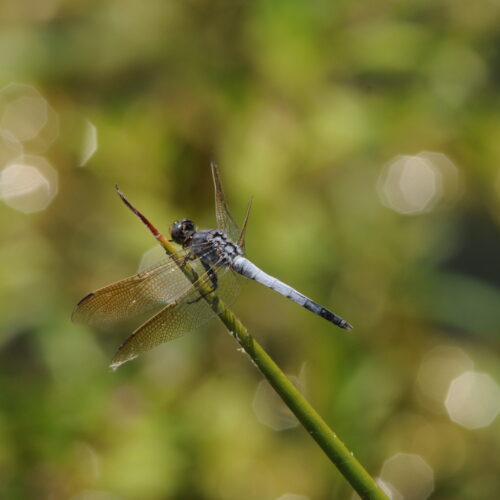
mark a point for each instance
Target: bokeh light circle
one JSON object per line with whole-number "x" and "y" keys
{"x": 27, "y": 115}
{"x": 409, "y": 475}
{"x": 28, "y": 184}
{"x": 438, "y": 368}
{"x": 413, "y": 184}
{"x": 473, "y": 400}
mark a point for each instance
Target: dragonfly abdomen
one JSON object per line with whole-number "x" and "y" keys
{"x": 248, "y": 269}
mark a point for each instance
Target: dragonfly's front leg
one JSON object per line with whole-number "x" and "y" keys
{"x": 184, "y": 260}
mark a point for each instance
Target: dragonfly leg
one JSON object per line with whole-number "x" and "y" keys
{"x": 213, "y": 279}
{"x": 182, "y": 262}
{"x": 211, "y": 274}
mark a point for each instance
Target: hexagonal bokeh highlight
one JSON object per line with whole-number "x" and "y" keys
{"x": 28, "y": 184}
{"x": 438, "y": 368}
{"x": 412, "y": 184}
{"x": 27, "y": 115}
{"x": 270, "y": 409}
{"x": 451, "y": 179}
{"x": 409, "y": 185}
{"x": 473, "y": 400}
{"x": 407, "y": 476}
{"x": 150, "y": 258}
{"x": 391, "y": 493}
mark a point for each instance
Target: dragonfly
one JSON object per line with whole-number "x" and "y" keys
{"x": 176, "y": 289}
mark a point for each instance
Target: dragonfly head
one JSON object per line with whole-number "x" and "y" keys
{"x": 182, "y": 231}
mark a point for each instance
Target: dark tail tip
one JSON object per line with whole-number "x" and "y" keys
{"x": 332, "y": 317}
{"x": 345, "y": 325}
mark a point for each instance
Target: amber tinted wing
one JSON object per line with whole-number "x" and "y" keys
{"x": 144, "y": 292}
{"x": 177, "y": 318}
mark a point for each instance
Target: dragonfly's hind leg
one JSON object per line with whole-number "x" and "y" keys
{"x": 208, "y": 268}
{"x": 213, "y": 280}
{"x": 211, "y": 274}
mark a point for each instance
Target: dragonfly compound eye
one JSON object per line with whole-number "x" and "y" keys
{"x": 182, "y": 231}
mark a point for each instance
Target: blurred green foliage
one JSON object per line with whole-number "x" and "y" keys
{"x": 302, "y": 104}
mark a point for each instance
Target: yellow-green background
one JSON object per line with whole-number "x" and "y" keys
{"x": 302, "y": 103}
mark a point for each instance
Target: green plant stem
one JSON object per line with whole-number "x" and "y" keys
{"x": 334, "y": 448}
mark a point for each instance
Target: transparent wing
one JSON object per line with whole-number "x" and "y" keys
{"x": 224, "y": 220}
{"x": 177, "y": 318}
{"x": 143, "y": 292}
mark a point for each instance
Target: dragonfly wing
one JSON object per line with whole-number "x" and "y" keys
{"x": 177, "y": 318}
{"x": 143, "y": 292}
{"x": 224, "y": 220}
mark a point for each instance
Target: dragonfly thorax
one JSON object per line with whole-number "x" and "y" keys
{"x": 213, "y": 246}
